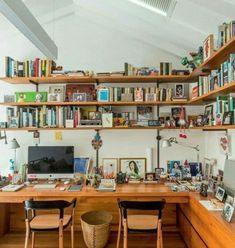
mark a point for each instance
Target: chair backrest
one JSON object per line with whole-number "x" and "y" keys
{"x": 141, "y": 205}
{"x": 47, "y": 205}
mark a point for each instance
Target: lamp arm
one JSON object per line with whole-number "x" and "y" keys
{"x": 185, "y": 145}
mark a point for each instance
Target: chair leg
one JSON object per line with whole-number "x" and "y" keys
{"x": 33, "y": 240}
{"x": 125, "y": 234}
{"x": 72, "y": 236}
{"x": 159, "y": 235}
{"x": 61, "y": 234}
{"x": 119, "y": 231}
{"x": 27, "y": 235}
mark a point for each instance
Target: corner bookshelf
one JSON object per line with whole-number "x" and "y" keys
{"x": 211, "y": 63}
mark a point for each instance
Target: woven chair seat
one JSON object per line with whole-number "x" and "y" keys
{"x": 48, "y": 221}
{"x": 142, "y": 222}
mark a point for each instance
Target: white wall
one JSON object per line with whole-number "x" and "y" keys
{"x": 99, "y": 49}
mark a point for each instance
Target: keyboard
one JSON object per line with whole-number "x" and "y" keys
{"x": 44, "y": 186}
{"x": 12, "y": 187}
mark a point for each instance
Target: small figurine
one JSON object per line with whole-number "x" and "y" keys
{"x": 197, "y": 59}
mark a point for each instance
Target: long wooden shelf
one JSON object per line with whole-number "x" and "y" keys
{"x": 94, "y": 103}
{"x": 204, "y": 128}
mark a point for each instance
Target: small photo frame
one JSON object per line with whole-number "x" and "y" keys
{"x": 134, "y": 168}
{"x": 220, "y": 193}
{"x": 81, "y": 165}
{"x": 207, "y": 168}
{"x": 195, "y": 168}
{"x": 179, "y": 90}
{"x": 227, "y": 212}
{"x": 57, "y": 92}
{"x": 110, "y": 168}
{"x": 208, "y": 47}
{"x": 79, "y": 97}
{"x": 150, "y": 176}
{"x": 158, "y": 172}
{"x": 174, "y": 167}
{"x": 103, "y": 95}
{"x": 228, "y": 118}
{"x": 230, "y": 200}
{"x": 208, "y": 110}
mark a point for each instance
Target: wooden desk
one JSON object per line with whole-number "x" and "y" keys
{"x": 199, "y": 227}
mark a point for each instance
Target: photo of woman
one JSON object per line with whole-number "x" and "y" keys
{"x": 134, "y": 168}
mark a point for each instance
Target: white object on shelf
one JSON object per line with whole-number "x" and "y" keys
{"x": 149, "y": 155}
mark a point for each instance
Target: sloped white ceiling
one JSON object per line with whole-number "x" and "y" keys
{"x": 189, "y": 25}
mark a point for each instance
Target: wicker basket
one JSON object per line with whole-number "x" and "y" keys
{"x": 95, "y": 228}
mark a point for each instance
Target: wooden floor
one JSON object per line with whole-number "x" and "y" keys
{"x": 16, "y": 240}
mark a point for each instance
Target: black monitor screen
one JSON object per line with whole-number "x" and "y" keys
{"x": 50, "y": 159}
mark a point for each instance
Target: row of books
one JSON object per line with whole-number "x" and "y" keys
{"x": 225, "y": 32}
{"x": 117, "y": 94}
{"x": 29, "y": 68}
{"x": 217, "y": 78}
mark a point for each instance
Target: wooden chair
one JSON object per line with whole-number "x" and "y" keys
{"x": 48, "y": 222}
{"x": 138, "y": 223}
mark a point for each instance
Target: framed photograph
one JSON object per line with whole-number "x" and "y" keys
{"x": 208, "y": 110}
{"x": 144, "y": 113}
{"x": 175, "y": 112}
{"x": 134, "y": 168}
{"x": 56, "y": 93}
{"x": 158, "y": 172}
{"x": 228, "y": 118}
{"x": 208, "y": 47}
{"x": 227, "y": 212}
{"x": 79, "y": 97}
{"x": 110, "y": 167}
{"x": 179, "y": 90}
{"x": 94, "y": 115}
{"x": 230, "y": 200}
{"x": 174, "y": 167}
{"x": 220, "y": 193}
{"x": 139, "y": 95}
{"x": 81, "y": 165}
{"x": 207, "y": 168}
{"x": 150, "y": 176}
{"x": 195, "y": 168}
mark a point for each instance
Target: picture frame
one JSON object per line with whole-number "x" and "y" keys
{"x": 220, "y": 193}
{"x": 139, "y": 95}
{"x": 230, "y": 200}
{"x": 195, "y": 168}
{"x": 79, "y": 97}
{"x": 82, "y": 165}
{"x": 207, "y": 172}
{"x": 179, "y": 90}
{"x": 150, "y": 176}
{"x": 208, "y": 47}
{"x": 227, "y": 212}
{"x": 134, "y": 168}
{"x": 158, "y": 172}
{"x": 228, "y": 118}
{"x": 208, "y": 110}
{"x": 175, "y": 112}
{"x": 110, "y": 168}
{"x": 56, "y": 92}
{"x": 174, "y": 168}
{"x": 144, "y": 113}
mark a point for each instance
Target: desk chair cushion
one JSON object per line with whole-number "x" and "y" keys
{"x": 142, "y": 222}
{"x": 48, "y": 221}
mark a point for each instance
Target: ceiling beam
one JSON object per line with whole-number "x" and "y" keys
{"x": 20, "y": 16}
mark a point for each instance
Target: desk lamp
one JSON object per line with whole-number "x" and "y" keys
{"x": 14, "y": 145}
{"x": 167, "y": 143}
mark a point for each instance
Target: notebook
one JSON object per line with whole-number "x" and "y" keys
{"x": 75, "y": 188}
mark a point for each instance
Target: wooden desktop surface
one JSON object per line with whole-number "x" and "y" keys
{"x": 199, "y": 227}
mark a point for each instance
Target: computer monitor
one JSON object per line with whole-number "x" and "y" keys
{"x": 228, "y": 177}
{"x": 50, "y": 162}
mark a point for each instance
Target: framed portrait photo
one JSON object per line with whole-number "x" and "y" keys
{"x": 79, "y": 97}
{"x": 228, "y": 118}
{"x": 110, "y": 167}
{"x": 220, "y": 193}
{"x": 208, "y": 47}
{"x": 227, "y": 212}
{"x": 179, "y": 90}
{"x": 208, "y": 110}
{"x": 134, "y": 168}
{"x": 158, "y": 172}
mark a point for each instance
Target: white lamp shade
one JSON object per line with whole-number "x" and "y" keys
{"x": 14, "y": 144}
{"x": 166, "y": 143}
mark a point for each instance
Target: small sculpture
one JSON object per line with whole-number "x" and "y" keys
{"x": 197, "y": 59}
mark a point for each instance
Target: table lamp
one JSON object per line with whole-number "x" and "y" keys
{"x": 14, "y": 145}
{"x": 168, "y": 142}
